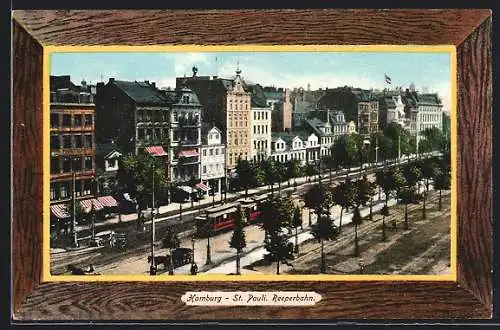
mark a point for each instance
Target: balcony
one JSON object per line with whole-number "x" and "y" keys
{"x": 189, "y": 122}
{"x": 189, "y": 143}
{"x": 189, "y": 160}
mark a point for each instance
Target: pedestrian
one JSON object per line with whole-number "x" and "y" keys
{"x": 194, "y": 268}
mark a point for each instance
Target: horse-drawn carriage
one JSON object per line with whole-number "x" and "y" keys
{"x": 114, "y": 239}
{"x": 181, "y": 257}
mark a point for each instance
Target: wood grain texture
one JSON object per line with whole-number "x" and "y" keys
{"x": 470, "y": 297}
{"x": 475, "y": 208}
{"x": 146, "y": 27}
{"x": 26, "y": 164}
{"x": 161, "y": 301}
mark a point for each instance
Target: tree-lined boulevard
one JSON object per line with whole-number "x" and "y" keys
{"x": 350, "y": 198}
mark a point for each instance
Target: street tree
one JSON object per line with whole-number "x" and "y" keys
{"x": 344, "y": 194}
{"x": 279, "y": 249}
{"x": 296, "y": 223}
{"x": 245, "y": 173}
{"x": 398, "y": 184}
{"x": 280, "y": 173}
{"x": 384, "y": 212}
{"x": 428, "y": 170}
{"x": 442, "y": 181}
{"x": 171, "y": 241}
{"x": 330, "y": 164}
{"x": 295, "y": 170}
{"x": 238, "y": 240}
{"x": 318, "y": 199}
{"x": 324, "y": 230}
{"x": 135, "y": 174}
{"x": 269, "y": 173}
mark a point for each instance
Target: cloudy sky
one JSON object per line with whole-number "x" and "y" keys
{"x": 281, "y": 69}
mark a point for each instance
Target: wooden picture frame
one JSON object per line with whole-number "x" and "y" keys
{"x": 469, "y": 30}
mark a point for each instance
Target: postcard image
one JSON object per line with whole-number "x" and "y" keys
{"x": 250, "y": 163}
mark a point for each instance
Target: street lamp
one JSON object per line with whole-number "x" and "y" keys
{"x": 209, "y": 232}
{"x": 152, "y": 269}
{"x": 193, "y": 240}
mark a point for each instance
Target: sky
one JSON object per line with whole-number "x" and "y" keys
{"x": 430, "y": 71}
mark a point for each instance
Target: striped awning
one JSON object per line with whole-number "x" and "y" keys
{"x": 87, "y": 205}
{"x": 60, "y": 211}
{"x": 202, "y": 186}
{"x": 107, "y": 201}
{"x": 156, "y": 151}
{"x": 187, "y": 189}
{"x": 188, "y": 153}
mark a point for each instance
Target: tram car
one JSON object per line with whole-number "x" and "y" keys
{"x": 219, "y": 218}
{"x": 251, "y": 208}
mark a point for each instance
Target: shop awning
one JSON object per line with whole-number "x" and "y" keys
{"x": 187, "y": 189}
{"x": 107, "y": 201}
{"x": 202, "y": 186}
{"x": 156, "y": 151}
{"x": 87, "y": 205}
{"x": 60, "y": 211}
{"x": 188, "y": 153}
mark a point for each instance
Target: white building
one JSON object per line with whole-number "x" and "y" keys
{"x": 261, "y": 133}
{"x": 212, "y": 159}
{"x": 286, "y": 147}
{"x": 323, "y": 130}
{"x": 425, "y": 111}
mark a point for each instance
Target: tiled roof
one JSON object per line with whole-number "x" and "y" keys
{"x": 315, "y": 124}
{"x": 287, "y": 137}
{"x": 141, "y": 92}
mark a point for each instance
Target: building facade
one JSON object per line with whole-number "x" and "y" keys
{"x": 368, "y": 117}
{"x": 72, "y": 141}
{"x": 184, "y": 136}
{"x": 287, "y": 147}
{"x": 226, "y": 103}
{"x": 261, "y": 133}
{"x": 213, "y": 159}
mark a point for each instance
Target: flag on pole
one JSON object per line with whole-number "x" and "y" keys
{"x": 388, "y": 79}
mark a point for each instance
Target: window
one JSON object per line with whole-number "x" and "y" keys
{"x": 148, "y": 115}
{"x": 64, "y": 189}
{"x": 174, "y": 116}
{"x": 185, "y": 99}
{"x": 112, "y": 162}
{"x": 54, "y": 165}
{"x": 53, "y": 191}
{"x": 78, "y": 141}
{"x": 88, "y": 162}
{"x": 204, "y": 169}
{"x": 77, "y": 164}
{"x": 211, "y": 152}
{"x": 164, "y": 133}
{"x": 54, "y": 120}
{"x": 157, "y": 133}
{"x": 66, "y": 141}
{"x": 216, "y": 151}
{"x": 140, "y": 115}
{"x": 66, "y": 164}
{"x": 67, "y": 120}
{"x": 78, "y": 120}
{"x": 88, "y": 120}
{"x": 86, "y": 186}
{"x": 176, "y": 135}
{"x": 88, "y": 141}
{"x": 54, "y": 142}
{"x": 216, "y": 136}
{"x": 140, "y": 133}
{"x": 204, "y": 153}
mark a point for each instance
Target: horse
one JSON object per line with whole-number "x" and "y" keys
{"x": 160, "y": 260}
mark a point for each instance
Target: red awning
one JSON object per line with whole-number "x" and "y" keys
{"x": 60, "y": 211}
{"x": 202, "y": 186}
{"x": 188, "y": 153}
{"x": 156, "y": 151}
{"x": 87, "y": 205}
{"x": 107, "y": 201}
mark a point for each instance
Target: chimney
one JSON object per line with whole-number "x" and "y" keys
{"x": 111, "y": 80}
{"x": 146, "y": 81}
{"x": 153, "y": 84}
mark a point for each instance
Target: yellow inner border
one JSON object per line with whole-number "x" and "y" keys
{"x": 47, "y": 50}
